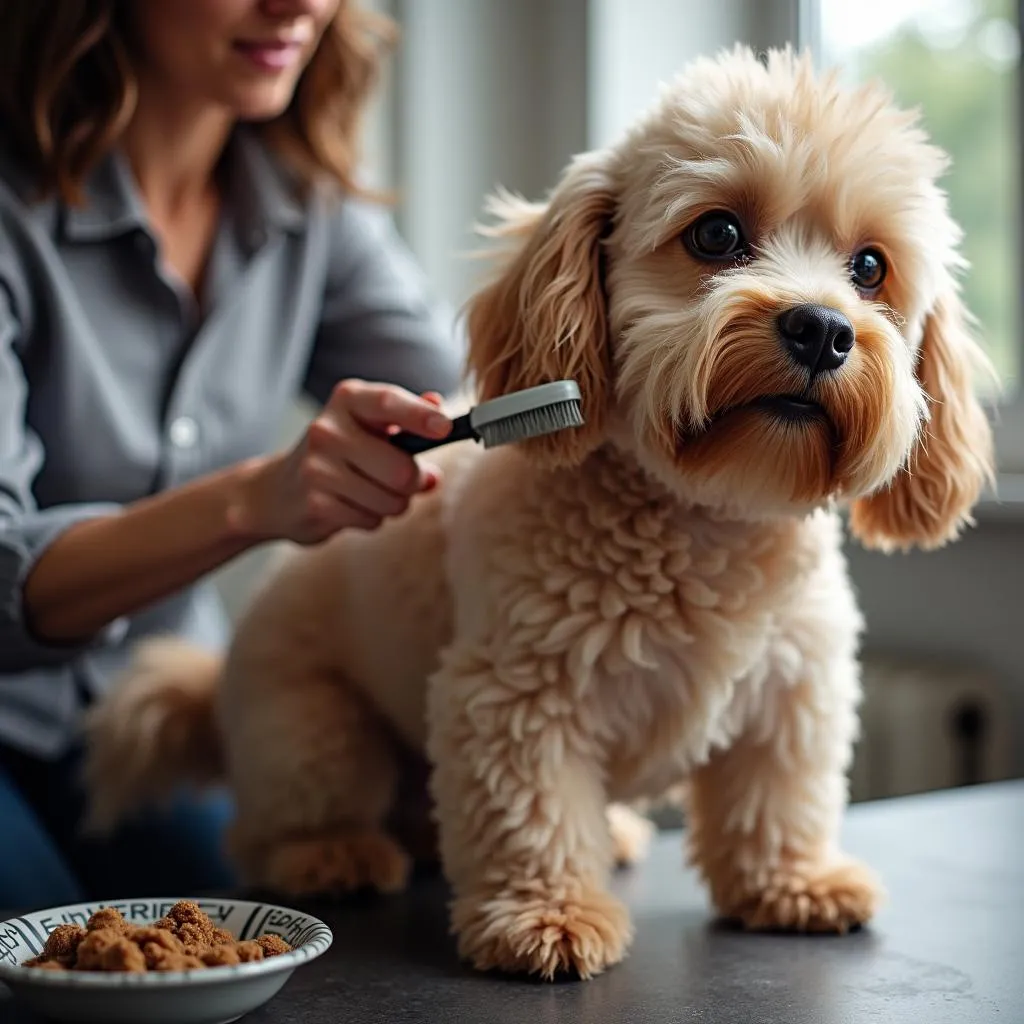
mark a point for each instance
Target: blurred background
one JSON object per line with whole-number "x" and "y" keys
{"x": 489, "y": 92}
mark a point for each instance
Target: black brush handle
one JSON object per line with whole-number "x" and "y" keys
{"x": 414, "y": 444}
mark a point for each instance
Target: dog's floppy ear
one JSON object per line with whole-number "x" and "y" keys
{"x": 545, "y": 318}
{"x": 931, "y": 498}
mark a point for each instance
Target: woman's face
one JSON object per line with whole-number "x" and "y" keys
{"x": 245, "y": 55}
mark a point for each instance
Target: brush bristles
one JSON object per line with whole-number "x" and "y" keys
{"x": 533, "y": 423}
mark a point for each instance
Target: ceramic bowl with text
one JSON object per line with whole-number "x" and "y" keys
{"x": 210, "y": 995}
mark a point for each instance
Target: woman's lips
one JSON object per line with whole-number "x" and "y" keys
{"x": 270, "y": 56}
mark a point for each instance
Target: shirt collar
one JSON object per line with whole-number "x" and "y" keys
{"x": 112, "y": 205}
{"x": 261, "y": 198}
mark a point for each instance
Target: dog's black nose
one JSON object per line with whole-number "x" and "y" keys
{"x": 817, "y": 337}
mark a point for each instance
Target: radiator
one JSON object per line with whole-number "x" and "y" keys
{"x": 929, "y": 726}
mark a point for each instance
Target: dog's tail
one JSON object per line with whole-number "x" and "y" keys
{"x": 155, "y": 731}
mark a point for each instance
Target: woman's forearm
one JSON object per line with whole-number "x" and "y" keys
{"x": 101, "y": 569}
{"x": 342, "y": 474}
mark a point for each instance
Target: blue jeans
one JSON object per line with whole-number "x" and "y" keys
{"x": 45, "y": 861}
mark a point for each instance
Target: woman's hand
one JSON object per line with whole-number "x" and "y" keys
{"x": 344, "y": 472}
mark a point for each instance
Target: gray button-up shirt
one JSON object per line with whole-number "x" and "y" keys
{"x": 114, "y": 384}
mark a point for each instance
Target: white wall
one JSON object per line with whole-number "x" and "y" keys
{"x": 629, "y": 59}
{"x": 487, "y": 93}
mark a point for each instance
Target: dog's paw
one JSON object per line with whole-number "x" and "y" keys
{"x": 631, "y": 834}
{"x": 336, "y": 863}
{"x": 536, "y": 929}
{"x": 832, "y": 898}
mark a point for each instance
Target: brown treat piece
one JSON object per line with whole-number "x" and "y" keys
{"x": 222, "y": 955}
{"x": 63, "y": 940}
{"x": 222, "y": 937}
{"x": 193, "y": 939}
{"x": 93, "y": 946}
{"x": 190, "y": 925}
{"x": 42, "y": 964}
{"x": 124, "y": 956}
{"x": 151, "y": 935}
{"x": 106, "y": 950}
{"x": 156, "y": 944}
{"x": 273, "y": 945}
{"x": 187, "y": 912}
{"x": 108, "y": 917}
{"x": 178, "y": 962}
{"x": 159, "y": 958}
{"x": 249, "y": 951}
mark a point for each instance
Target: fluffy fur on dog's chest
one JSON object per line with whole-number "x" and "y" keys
{"x": 648, "y": 625}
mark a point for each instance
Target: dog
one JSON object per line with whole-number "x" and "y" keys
{"x": 756, "y": 288}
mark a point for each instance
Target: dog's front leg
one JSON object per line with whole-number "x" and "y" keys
{"x": 765, "y": 814}
{"x": 521, "y": 811}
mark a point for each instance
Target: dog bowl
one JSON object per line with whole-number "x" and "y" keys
{"x": 212, "y": 995}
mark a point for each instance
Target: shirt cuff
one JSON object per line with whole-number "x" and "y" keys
{"x": 22, "y": 541}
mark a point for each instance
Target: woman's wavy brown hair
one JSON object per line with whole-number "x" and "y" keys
{"x": 67, "y": 91}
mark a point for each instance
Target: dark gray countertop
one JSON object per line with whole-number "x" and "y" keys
{"x": 948, "y": 947}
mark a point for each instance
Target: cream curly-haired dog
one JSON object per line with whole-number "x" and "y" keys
{"x": 755, "y": 289}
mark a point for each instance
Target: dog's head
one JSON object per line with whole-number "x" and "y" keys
{"x": 755, "y": 290}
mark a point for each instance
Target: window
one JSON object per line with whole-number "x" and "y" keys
{"x": 958, "y": 61}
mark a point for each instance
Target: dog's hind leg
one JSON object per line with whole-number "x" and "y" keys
{"x": 315, "y": 773}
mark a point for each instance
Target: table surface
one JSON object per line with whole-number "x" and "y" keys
{"x": 949, "y": 945}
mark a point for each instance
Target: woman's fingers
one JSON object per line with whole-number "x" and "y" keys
{"x": 346, "y": 473}
{"x": 326, "y": 515}
{"x": 344, "y": 483}
{"x": 340, "y": 440}
{"x": 380, "y": 407}
{"x": 355, "y": 425}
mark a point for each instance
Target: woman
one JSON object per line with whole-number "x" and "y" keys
{"x": 183, "y": 249}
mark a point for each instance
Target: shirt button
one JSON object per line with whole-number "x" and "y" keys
{"x": 184, "y": 432}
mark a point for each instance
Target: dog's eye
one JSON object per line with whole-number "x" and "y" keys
{"x": 716, "y": 235}
{"x": 868, "y": 269}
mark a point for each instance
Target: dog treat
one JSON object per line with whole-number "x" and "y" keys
{"x": 272, "y": 945}
{"x": 106, "y": 949}
{"x": 193, "y": 929}
{"x": 108, "y": 917}
{"x": 183, "y": 940}
{"x": 221, "y": 956}
{"x": 62, "y": 942}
